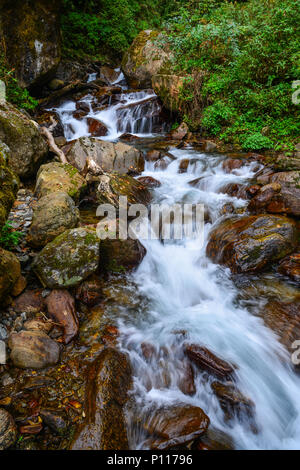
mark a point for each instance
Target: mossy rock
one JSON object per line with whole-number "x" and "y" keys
{"x": 113, "y": 185}
{"x": 69, "y": 259}
{"x": 27, "y": 146}
{"x": 10, "y": 272}
{"x": 144, "y": 59}
{"x": 249, "y": 244}
{"x": 31, "y": 34}
{"x": 57, "y": 177}
{"x": 9, "y": 184}
{"x": 53, "y": 215}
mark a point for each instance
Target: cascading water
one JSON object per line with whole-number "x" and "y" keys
{"x": 187, "y": 292}
{"x": 135, "y": 112}
{"x": 188, "y": 298}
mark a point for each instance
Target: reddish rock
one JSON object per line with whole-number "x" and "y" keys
{"x": 61, "y": 308}
{"x": 214, "y": 439}
{"x": 232, "y": 402}
{"x": 31, "y": 301}
{"x": 161, "y": 164}
{"x": 128, "y": 137}
{"x": 149, "y": 182}
{"x": 186, "y": 383}
{"x": 33, "y": 349}
{"x": 290, "y": 266}
{"x": 177, "y": 425}
{"x": 90, "y": 291}
{"x": 153, "y": 155}
{"x": 249, "y": 244}
{"x": 206, "y": 360}
{"x": 148, "y": 351}
{"x": 96, "y": 128}
{"x": 231, "y": 164}
{"x": 183, "y": 166}
{"x": 108, "y": 382}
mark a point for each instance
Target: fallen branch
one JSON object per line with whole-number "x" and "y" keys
{"x": 51, "y": 142}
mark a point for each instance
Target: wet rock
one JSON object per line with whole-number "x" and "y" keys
{"x": 61, "y": 308}
{"x": 96, "y": 128}
{"x": 33, "y": 51}
{"x": 183, "y": 166}
{"x": 277, "y": 198}
{"x": 54, "y": 421}
{"x": 206, "y": 360}
{"x": 233, "y": 402}
{"x": 161, "y": 164}
{"x": 149, "y": 182}
{"x": 144, "y": 59}
{"x": 112, "y": 186}
{"x": 33, "y": 349}
{"x": 231, "y": 164}
{"x": 8, "y": 430}
{"x": 128, "y": 137}
{"x": 10, "y": 272}
{"x": 108, "y": 74}
{"x": 31, "y": 301}
{"x": 58, "y": 177}
{"x": 148, "y": 351}
{"x": 177, "y": 425}
{"x": 69, "y": 259}
{"x": 235, "y": 190}
{"x": 246, "y": 244}
{"x": 118, "y": 157}
{"x": 186, "y": 383}
{"x": 52, "y": 215}
{"x": 290, "y": 266}
{"x": 153, "y": 155}
{"x": 284, "y": 319}
{"x": 214, "y": 439}
{"x": 180, "y": 132}
{"x": 9, "y": 184}
{"x": 90, "y": 291}
{"x": 108, "y": 383}
{"x": 117, "y": 255}
{"x": 28, "y": 148}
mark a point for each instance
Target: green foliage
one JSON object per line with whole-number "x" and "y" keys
{"x": 102, "y": 27}
{"x": 9, "y": 238}
{"x": 14, "y": 93}
{"x": 248, "y": 53}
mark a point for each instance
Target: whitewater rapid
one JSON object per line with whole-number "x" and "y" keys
{"x": 183, "y": 290}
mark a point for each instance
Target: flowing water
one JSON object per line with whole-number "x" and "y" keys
{"x": 188, "y": 298}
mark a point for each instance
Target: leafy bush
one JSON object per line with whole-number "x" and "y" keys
{"x": 248, "y": 53}
{"x": 9, "y": 238}
{"x": 103, "y": 27}
{"x": 14, "y": 93}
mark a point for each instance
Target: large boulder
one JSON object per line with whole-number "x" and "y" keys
{"x": 118, "y": 255}
{"x": 109, "y": 380}
{"x": 8, "y": 430}
{"x": 248, "y": 244}
{"x": 10, "y": 272}
{"x": 8, "y": 184}
{"x": 69, "y": 259}
{"x": 118, "y": 157}
{"x": 144, "y": 59}
{"x": 28, "y": 148}
{"x": 52, "y": 215}
{"x": 33, "y": 349}
{"x": 56, "y": 177}
{"x": 31, "y": 34}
